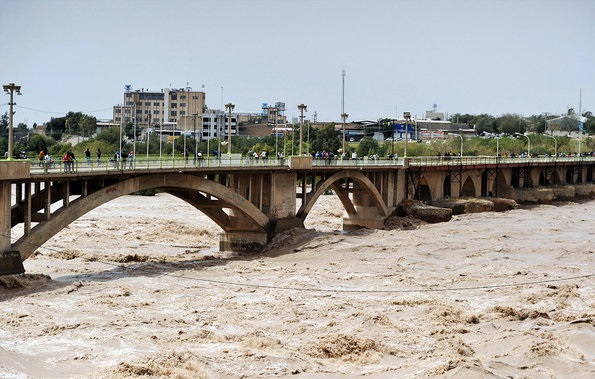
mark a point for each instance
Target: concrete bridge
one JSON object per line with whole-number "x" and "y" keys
{"x": 252, "y": 201}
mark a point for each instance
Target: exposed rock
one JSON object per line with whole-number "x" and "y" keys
{"x": 424, "y": 212}
{"x": 472, "y": 206}
{"x": 564, "y": 193}
{"x": 503, "y": 205}
{"x": 476, "y": 205}
{"x": 534, "y": 195}
{"x": 584, "y": 191}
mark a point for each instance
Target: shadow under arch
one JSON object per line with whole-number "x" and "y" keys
{"x": 181, "y": 185}
{"x": 343, "y": 195}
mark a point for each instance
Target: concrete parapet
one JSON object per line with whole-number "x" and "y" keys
{"x": 300, "y": 163}
{"x": 15, "y": 169}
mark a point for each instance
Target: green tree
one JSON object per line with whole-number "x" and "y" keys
{"x": 458, "y": 118}
{"x": 55, "y": 127}
{"x": 510, "y": 124}
{"x": 368, "y": 146}
{"x": 484, "y": 123}
{"x": 325, "y": 138}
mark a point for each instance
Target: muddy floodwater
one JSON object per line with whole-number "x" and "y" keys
{"x": 137, "y": 288}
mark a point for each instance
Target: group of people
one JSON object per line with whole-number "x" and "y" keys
{"x": 120, "y": 159}
{"x": 68, "y": 161}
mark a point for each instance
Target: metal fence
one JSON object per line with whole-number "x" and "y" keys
{"x": 236, "y": 161}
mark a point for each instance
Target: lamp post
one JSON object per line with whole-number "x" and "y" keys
{"x": 149, "y": 136}
{"x": 302, "y": 108}
{"x": 10, "y": 89}
{"x": 274, "y": 112}
{"x": 229, "y": 107}
{"x": 407, "y": 116}
{"x": 461, "y": 137}
{"x": 528, "y": 143}
{"x": 579, "y": 146}
{"x": 308, "y": 136}
{"x": 344, "y": 117}
{"x": 194, "y": 135}
{"x": 555, "y": 144}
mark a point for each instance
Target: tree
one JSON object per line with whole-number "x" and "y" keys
{"x": 368, "y": 146}
{"x": 56, "y": 127}
{"x": 484, "y": 123}
{"x": 325, "y": 138}
{"x": 458, "y": 118}
{"x": 510, "y": 123}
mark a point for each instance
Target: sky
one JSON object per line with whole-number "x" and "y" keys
{"x": 465, "y": 56}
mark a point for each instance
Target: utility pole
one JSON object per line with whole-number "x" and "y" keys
{"x": 195, "y": 140}
{"x": 10, "y": 89}
{"x": 302, "y": 108}
{"x": 344, "y": 117}
{"x": 229, "y": 107}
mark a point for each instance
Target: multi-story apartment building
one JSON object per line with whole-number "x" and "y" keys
{"x": 158, "y": 108}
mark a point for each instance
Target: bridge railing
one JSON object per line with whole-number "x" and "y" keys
{"x": 475, "y": 160}
{"x": 142, "y": 163}
{"x": 236, "y": 161}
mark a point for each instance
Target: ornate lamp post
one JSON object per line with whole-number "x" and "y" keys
{"x": 302, "y": 108}
{"x": 229, "y": 107}
{"x": 11, "y": 89}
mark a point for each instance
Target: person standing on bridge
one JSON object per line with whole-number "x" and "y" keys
{"x": 98, "y": 154}
{"x": 88, "y": 156}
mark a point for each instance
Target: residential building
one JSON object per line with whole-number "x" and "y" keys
{"x": 158, "y": 108}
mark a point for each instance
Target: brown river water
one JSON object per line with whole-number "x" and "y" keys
{"x": 137, "y": 288}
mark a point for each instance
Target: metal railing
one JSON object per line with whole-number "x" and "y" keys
{"x": 236, "y": 161}
{"x": 480, "y": 160}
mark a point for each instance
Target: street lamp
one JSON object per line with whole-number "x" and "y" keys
{"x": 407, "y": 116}
{"x": 461, "y": 137}
{"x": 528, "y": 143}
{"x": 10, "y": 89}
{"x": 302, "y": 108}
{"x": 579, "y": 146}
{"x": 555, "y": 144}
{"x": 229, "y": 107}
{"x": 194, "y": 135}
{"x": 344, "y": 117}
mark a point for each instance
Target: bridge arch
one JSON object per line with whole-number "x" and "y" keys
{"x": 343, "y": 194}
{"x": 468, "y": 188}
{"x": 180, "y": 185}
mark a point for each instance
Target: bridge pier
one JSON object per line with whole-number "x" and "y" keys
{"x": 10, "y": 259}
{"x": 242, "y": 241}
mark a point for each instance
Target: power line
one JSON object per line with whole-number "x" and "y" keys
{"x": 64, "y": 113}
{"x": 345, "y": 290}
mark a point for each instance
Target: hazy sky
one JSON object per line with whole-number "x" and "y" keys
{"x": 466, "y": 56}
